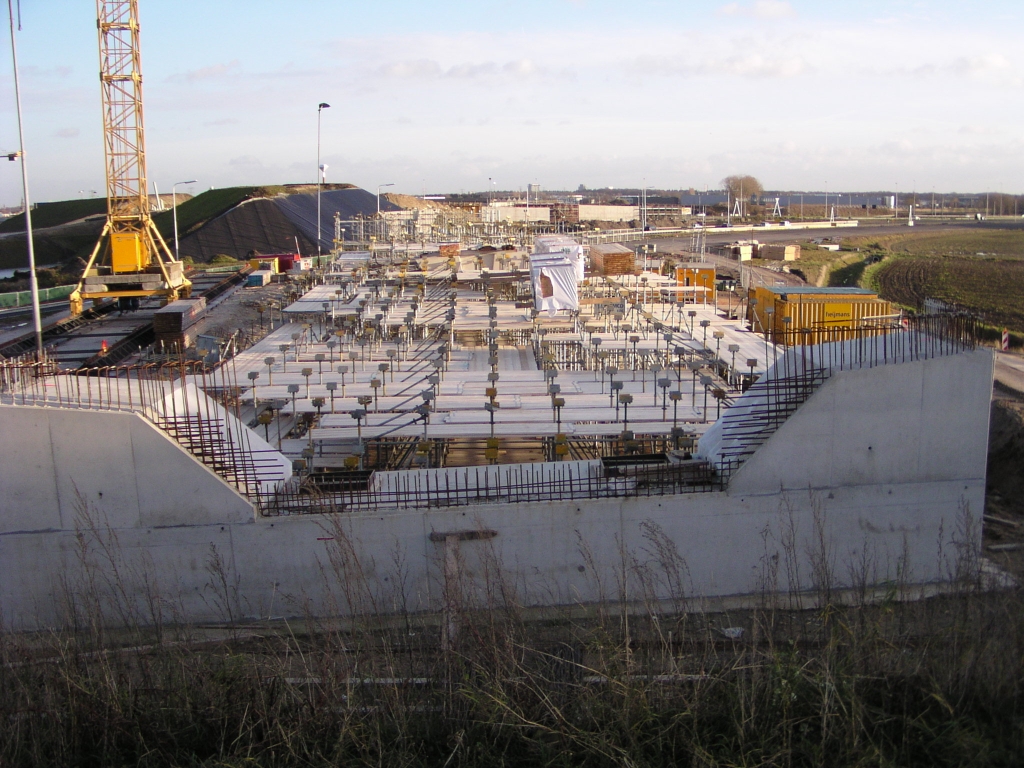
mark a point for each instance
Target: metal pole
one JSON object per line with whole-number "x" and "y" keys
{"x": 319, "y": 173}
{"x": 174, "y": 210}
{"x": 37, "y": 321}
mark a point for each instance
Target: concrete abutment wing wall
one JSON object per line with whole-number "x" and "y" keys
{"x": 183, "y": 535}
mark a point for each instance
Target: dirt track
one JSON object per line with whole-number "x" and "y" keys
{"x": 1004, "y": 503}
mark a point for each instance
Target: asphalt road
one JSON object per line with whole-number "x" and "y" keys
{"x": 720, "y": 236}
{"x": 1009, "y": 370}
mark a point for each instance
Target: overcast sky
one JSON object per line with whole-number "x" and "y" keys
{"x": 439, "y": 96}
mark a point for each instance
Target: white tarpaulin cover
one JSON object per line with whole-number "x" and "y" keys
{"x": 554, "y": 282}
{"x": 565, "y": 246}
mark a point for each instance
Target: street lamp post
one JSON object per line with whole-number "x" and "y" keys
{"x": 379, "y": 188}
{"x": 320, "y": 173}
{"x": 37, "y": 322}
{"x": 174, "y": 209}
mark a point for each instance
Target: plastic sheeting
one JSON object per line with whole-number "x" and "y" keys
{"x": 566, "y": 246}
{"x": 555, "y": 284}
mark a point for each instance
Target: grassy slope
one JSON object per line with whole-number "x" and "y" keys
{"x": 53, "y": 248}
{"x": 948, "y": 242}
{"x": 50, "y": 249}
{"x": 195, "y": 212}
{"x": 54, "y": 214}
{"x": 979, "y": 270}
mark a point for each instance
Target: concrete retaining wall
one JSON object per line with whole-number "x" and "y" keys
{"x": 185, "y": 544}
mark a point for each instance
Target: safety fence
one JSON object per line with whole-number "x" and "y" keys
{"x": 24, "y": 298}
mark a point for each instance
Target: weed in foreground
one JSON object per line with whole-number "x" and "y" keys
{"x": 815, "y": 679}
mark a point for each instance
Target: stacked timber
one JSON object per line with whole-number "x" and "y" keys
{"x": 612, "y": 259}
{"x": 176, "y": 325}
{"x": 779, "y": 252}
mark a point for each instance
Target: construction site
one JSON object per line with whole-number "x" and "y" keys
{"x": 304, "y": 474}
{"x": 539, "y": 410}
{"x": 448, "y": 384}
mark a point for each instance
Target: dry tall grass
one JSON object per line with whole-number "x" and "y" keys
{"x": 647, "y": 678}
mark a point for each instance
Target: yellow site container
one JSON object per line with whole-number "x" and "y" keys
{"x": 818, "y": 315}
{"x": 128, "y": 253}
{"x": 271, "y": 264}
{"x": 696, "y": 283}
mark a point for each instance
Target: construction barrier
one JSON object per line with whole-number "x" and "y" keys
{"x": 24, "y": 298}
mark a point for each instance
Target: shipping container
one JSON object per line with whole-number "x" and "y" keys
{"x": 696, "y": 283}
{"x": 266, "y": 263}
{"x": 808, "y": 315}
{"x": 259, "y": 278}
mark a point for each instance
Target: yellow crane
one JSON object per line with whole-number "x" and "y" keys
{"x": 131, "y": 260}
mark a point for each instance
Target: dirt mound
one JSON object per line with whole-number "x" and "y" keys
{"x": 410, "y": 202}
{"x": 257, "y": 225}
{"x": 1005, "y": 483}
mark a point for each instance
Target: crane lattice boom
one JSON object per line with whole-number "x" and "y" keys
{"x": 131, "y": 259}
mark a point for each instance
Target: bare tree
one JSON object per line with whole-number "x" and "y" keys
{"x": 742, "y": 186}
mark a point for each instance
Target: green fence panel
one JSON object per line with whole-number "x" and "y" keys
{"x": 24, "y": 298}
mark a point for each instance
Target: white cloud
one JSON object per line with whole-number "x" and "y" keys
{"x": 212, "y": 72}
{"x": 992, "y": 67}
{"x": 416, "y": 68}
{"x": 755, "y": 65}
{"x": 746, "y": 65}
{"x": 467, "y": 70}
{"x": 760, "y": 9}
{"x": 60, "y": 72}
{"x": 67, "y": 133}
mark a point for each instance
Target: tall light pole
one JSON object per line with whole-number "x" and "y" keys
{"x": 37, "y": 321}
{"x": 320, "y": 171}
{"x": 174, "y": 209}
{"x": 379, "y": 188}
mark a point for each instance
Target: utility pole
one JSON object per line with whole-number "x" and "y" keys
{"x": 321, "y": 174}
{"x": 37, "y": 322}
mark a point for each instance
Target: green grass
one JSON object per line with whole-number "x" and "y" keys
{"x": 946, "y": 242}
{"x": 980, "y": 271}
{"x": 991, "y": 288}
{"x": 195, "y": 212}
{"x": 54, "y": 214}
{"x": 50, "y": 249}
{"x": 60, "y": 247}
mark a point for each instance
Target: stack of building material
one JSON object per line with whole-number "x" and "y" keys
{"x": 779, "y": 252}
{"x": 612, "y": 259}
{"x": 176, "y": 325}
{"x": 741, "y": 251}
